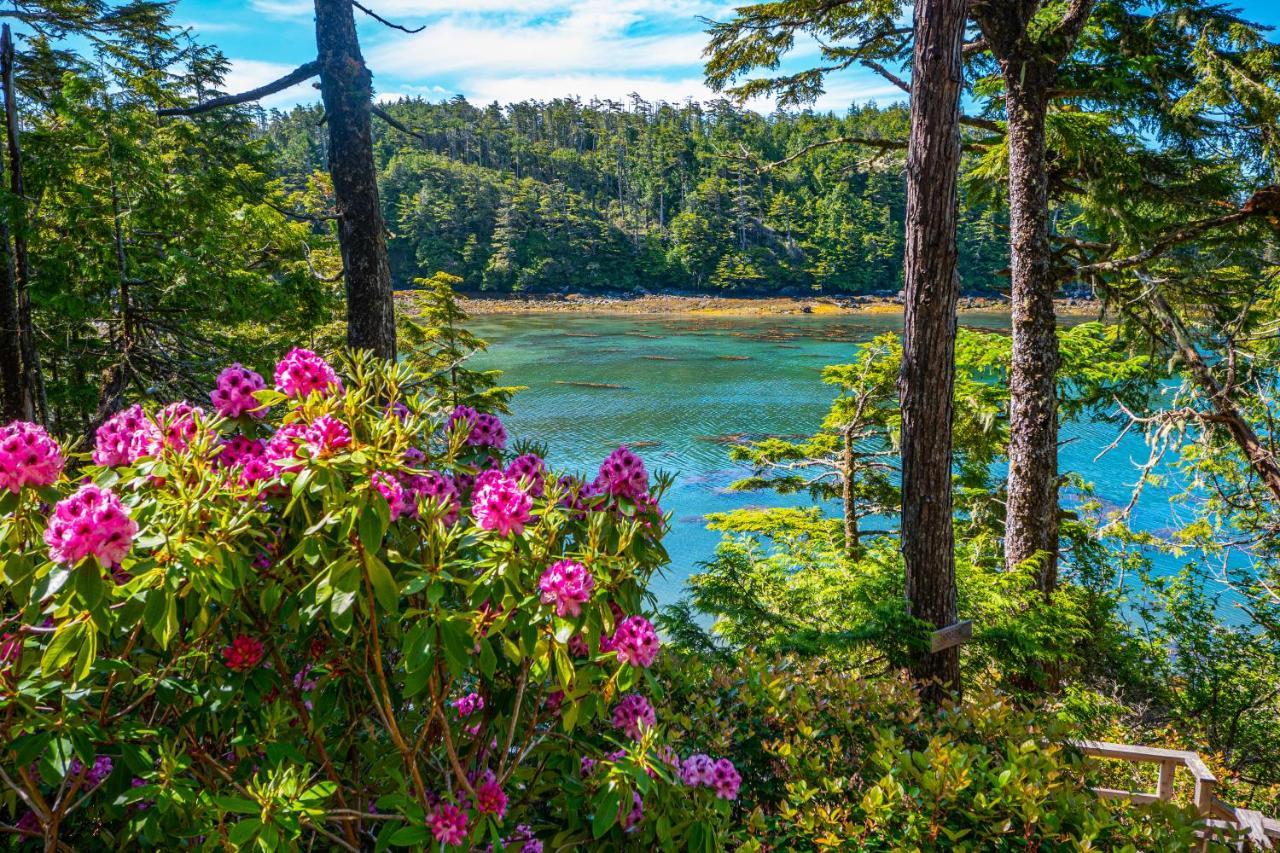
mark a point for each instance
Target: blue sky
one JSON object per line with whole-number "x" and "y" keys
{"x": 510, "y": 50}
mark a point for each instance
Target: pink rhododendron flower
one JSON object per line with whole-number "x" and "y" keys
{"x": 636, "y": 814}
{"x": 554, "y": 700}
{"x": 244, "y": 653}
{"x": 531, "y": 472}
{"x": 490, "y": 798}
{"x": 415, "y": 458}
{"x": 567, "y": 585}
{"x": 697, "y": 770}
{"x": 523, "y": 833}
{"x": 587, "y": 766}
{"x": 326, "y": 436}
{"x": 437, "y": 487}
{"x": 633, "y": 714}
{"x": 464, "y": 415}
{"x": 469, "y": 704}
{"x": 301, "y": 373}
{"x": 622, "y": 474}
{"x": 177, "y": 424}
{"x": 94, "y": 776}
{"x": 635, "y": 641}
{"x": 282, "y": 448}
{"x": 117, "y": 439}
{"x": 398, "y": 500}
{"x": 233, "y": 395}
{"x": 501, "y": 505}
{"x": 28, "y": 457}
{"x": 90, "y": 523}
{"x": 257, "y": 469}
{"x": 448, "y": 824}
{"x": 725, "y": 779}
{"x": 488, "y": 432}
{"x": 236, "y": 450}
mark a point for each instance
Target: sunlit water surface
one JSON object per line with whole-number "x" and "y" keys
{"x": 674, "y": 387}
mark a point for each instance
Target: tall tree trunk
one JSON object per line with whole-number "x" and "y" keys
{"x": 927, "y": 380}
{"x": 346, "y": 87}
{"x": 21, "y": 391}
{"x": 1031, "y": 525}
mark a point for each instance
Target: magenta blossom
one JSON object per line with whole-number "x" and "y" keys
{"x": 236, "y": 450}
{"x": 439, "y": 488}
{"x": 633, "y": 714}
{"x": 448, "y": 824}
{"x": 490, "y": 798}
{"x": 622, "y": 474}
{"x": 725, "y": 780}
{"x": 567, "y": 585}
{"x": 301, "y": 373}
{"x": 28, "y": 457}
{"x": 233, "y": 395}
{"x": 116, "y": 439}
{"x": 531, "y": 472}
{"x": 398, "y": 501}
{"x": 501, "y": 505}
{"x": 635, "y": 641}
{"x": 90, "y": 523}
{"x": 177, "y": 424}
{"x": 326, "y": 436}
{"x": 468, "y": 704}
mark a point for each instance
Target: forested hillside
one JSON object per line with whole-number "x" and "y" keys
{"x": 563, "y": 194}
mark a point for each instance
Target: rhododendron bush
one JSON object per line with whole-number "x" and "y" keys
{"x": 325, "y": 609}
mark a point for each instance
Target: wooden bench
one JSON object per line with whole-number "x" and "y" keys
{"x": 1222, "y": 821}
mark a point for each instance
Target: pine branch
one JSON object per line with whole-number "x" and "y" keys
{"x": 384, "y": 21}
{"x": 297, "y": 75}
{"x": 1162, "y": 245}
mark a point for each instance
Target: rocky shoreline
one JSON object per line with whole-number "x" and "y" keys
{"x": 713, "y": 305}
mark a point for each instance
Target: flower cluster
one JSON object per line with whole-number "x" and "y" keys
{"x": 326, "y": 436}
{"x": 124, "y": 438}
{"x": 567, "y": 585}
{"x": 633, "y": 714}
{"x": 448, "y": 824}
{"x": 236, "y": 451}
{"x": 437, "y": 487}
{"x": 233, "y": 395}
{"x": 301, "y": 373}
{"x": 177, "y": 425}
{"x": 622, "y": 474}
{"x": 97, "y": 772}
{"x": 468, "y": 704}
{"x": 243, "y": 654}
{"x": 28, "y": 457}
{"x": 90, "y": 523}
{"x": 482, "y": 429}
{"x": 721, "y": 776}
{"x": 398, "y": 499}
{"x": 531, "y": 472}
{"x": 490, "y": 798}
{"x": 635, "y": 641}
{"x": 500, "y": 504}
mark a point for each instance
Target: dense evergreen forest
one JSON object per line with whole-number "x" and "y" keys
{"x": 566, "y": 195}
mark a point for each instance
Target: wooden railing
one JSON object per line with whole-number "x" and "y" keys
{"x": 1251, "y": 829}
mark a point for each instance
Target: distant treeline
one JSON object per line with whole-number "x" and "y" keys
{"x": 540, "y": 196}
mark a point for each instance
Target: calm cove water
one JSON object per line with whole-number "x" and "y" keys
{"x": 674, "y": 386}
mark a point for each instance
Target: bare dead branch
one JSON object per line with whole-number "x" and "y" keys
{"x": 384, "y": 21}
{"x": 297, "y": 75}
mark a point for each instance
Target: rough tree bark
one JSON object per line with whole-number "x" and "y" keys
{"x": 1031, "y": 529}
{"x": 346, "y": 87}
{"x": 927, "y": 379}
{"x": 1029, "y": 63}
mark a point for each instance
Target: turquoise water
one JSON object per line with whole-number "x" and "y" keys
{"x": 675, "y": 387}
